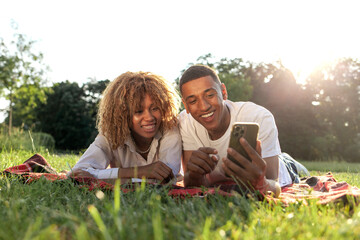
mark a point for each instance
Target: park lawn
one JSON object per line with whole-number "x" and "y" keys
{"x": 45, "y": 210}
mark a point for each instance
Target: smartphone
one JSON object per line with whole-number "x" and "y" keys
{"x": 248, "y": 130}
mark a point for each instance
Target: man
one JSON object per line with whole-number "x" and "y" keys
{"x": 205, "y": 127}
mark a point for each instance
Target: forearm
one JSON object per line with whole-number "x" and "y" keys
{"x": 132, "y": 172}
{"x": 272, "y": 167}
{"x": 110, "y": 173}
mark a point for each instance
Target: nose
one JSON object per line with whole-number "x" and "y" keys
{"x": 204, "y": 104}
{"x": 148, "y": 115}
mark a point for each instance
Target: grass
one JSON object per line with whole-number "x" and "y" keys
{"x": 44, "y": 210}
{"x": 25, "y": 140}
{"x": 333, "y": 166}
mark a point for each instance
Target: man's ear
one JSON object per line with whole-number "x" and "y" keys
{"x": 183, "y": 101}
{"x": 224, "y": 91}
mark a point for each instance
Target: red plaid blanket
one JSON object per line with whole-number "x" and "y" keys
{"x": 324, "y": 189}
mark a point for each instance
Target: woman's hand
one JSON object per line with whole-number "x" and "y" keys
{"x": 157, "y": 170}
{"x": 80, "y": 173}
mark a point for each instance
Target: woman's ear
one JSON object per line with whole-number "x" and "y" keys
{"x": 224, "y": 91}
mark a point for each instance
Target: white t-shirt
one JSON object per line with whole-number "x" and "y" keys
{"x": 194, "y": 135}
{"x": 99, "y": 156}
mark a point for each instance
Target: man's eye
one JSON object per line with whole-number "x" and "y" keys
{"x": 192, "y": 102}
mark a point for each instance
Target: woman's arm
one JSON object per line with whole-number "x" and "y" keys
{"x": 95, "y": 161}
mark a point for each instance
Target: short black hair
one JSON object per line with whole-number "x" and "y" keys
{"x": 198, "y": 71}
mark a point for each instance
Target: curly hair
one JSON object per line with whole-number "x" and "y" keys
{"x": 123, "y": 96}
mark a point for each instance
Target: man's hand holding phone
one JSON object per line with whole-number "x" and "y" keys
{"x": 244, "y": 160}
{"x": 250, "y": 173}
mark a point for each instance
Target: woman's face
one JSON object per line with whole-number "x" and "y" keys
{"x": 146, "y": 120}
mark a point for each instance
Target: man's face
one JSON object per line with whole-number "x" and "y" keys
{"x": 204, "y": 99}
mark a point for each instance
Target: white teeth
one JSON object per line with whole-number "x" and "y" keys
{"x": 207, "y": 115}
{"x": 149, "y": 127}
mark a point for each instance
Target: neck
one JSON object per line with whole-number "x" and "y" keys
{"x": 225, "y": 119}
{"x": 141, "y": 143}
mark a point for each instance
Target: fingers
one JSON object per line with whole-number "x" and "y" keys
{"x": 164, "y": 171}
{"x": 258, "y": 147}
{"x": 253, "y": 154}
{"x": 203, "y": 160}
{"x": 248, "y": 172}
{"x": 208, "y": 150}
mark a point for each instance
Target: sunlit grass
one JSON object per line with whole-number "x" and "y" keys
{"x": 60, "y": 210}
{"x": 332, "y": 166}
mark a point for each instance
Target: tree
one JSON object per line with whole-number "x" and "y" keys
{"x": 65, "y": 115}
{"x": 276, "y": 89}
{"x": 336, "y": 90}
{"x": 69, "y": 113}
{"x": 93, "y": 91}
{"x": 26, "y": 99}
{"x": 19, "y": 67}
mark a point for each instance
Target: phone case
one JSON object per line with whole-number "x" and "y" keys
{"x": 249, "y": 131}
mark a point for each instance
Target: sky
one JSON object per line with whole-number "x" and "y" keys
{"x": 103, "y": 39}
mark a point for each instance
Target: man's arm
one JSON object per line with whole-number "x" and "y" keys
{"x": 272, "y": 167}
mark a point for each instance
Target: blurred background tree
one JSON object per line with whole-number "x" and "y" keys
{"x": 316, "y": 120}
{"x": 21, "y": 72}
{"x": 69, "y": 114}
{"x": 336, "y": 91}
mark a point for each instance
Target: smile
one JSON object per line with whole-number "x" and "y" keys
{"x": 207, "y": 115}
{"x": 149, "y": 127}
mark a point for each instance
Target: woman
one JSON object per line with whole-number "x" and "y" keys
{"x": 138, "y": 131}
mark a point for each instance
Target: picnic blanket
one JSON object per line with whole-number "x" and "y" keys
{"x": 323, "y": 189}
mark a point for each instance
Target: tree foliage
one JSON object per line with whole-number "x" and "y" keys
{"x": 64, "y": 116}
{"x": 291, "y": 105}
{"x": 21, "y": 73}
{"x": 336, "y": 91}
{"x": 69, "y": 114}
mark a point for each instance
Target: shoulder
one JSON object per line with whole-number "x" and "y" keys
{"x": 184, "y": 117}
{"x": 186, "y": 121}
{"x": 170, "y": 138}
{"x": 248, "y": 111}
{"x": 170, "y": 133}
{"x": 101, "y": 141}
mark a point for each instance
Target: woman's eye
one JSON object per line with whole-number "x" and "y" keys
{"x": 156, "y": 109}
{"x": 210, "y": 95}
{"x": 138, "y": 111}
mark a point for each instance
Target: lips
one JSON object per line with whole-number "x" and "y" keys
{"x": 149, "y": 128}
{"x": 208, "y": 117}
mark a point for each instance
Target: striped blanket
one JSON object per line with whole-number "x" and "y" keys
{"x": 323, "y": 189}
